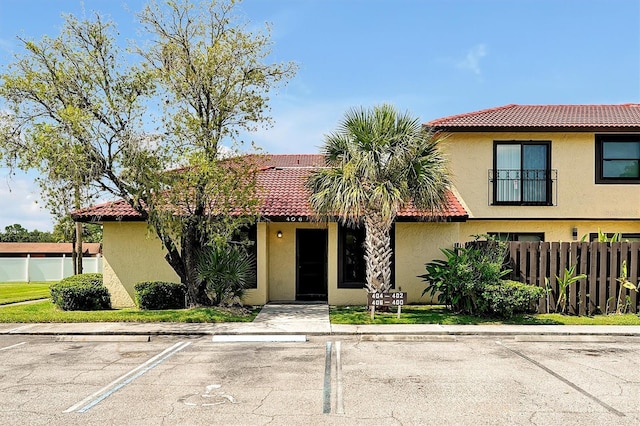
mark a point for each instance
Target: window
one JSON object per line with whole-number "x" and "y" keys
{"x": 521, "y": 173}
{"x": 624, "y": 237}
{"x": 247, "y": 236}
{"x": 351, "y": 263}
{"x": 617, "y": 158}
{"x": 517, "y": 236}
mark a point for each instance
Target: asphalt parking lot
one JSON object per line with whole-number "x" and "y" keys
{"x": 56, "y": 380}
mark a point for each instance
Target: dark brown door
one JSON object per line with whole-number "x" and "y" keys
{"x": 311, "y": 260}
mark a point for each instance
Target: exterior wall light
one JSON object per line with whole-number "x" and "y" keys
{"x": 574, "y": 233}
{"x": 279, "y": 234}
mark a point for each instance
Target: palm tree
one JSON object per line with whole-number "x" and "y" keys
{"x": 377, "y": 161}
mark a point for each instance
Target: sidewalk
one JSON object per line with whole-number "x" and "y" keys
{"x": 280, "y": 319}
{"x": 154, "y": 329}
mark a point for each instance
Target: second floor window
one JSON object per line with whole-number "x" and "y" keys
{"x": 618, "y": 158}
{"x": 521, "y": 174}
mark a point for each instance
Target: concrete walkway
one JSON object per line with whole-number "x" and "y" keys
{"x": 311, "y": 319}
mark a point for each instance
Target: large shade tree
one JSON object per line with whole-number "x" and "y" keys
{"x": 93, "y": 118}
{"x": 377, "y": 161}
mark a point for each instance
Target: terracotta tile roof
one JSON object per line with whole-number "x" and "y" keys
{"x": 110, "y": 211}
{"x": 47, "y": 248}
{"x": 282, "y": 191}
{"x": 545, "y": 117}
{"x": 290, "y": 160}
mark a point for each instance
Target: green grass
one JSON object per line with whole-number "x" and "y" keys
{"x": 46, "y": 312}
{"x": 429, "y": 314}
{"x": 20, "y": 291}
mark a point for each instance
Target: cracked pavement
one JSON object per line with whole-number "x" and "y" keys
{"x": 468, "y": 380}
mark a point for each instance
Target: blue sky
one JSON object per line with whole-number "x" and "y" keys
{"x": 433, "y": 58}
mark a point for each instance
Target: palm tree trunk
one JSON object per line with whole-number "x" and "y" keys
{"x": 377, "y": 245}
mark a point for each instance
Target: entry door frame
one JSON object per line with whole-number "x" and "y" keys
{"x": 320, "y": 235}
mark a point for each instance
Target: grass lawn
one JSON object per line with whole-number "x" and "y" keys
{"x": 46, "y": 312}
{"x": 20, "y": 291}
{"x": 428, "y": 314}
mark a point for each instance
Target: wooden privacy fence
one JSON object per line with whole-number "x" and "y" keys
{"x": 532, "y": 262}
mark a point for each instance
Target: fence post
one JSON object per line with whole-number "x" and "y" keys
{"x": 27, "y": 268}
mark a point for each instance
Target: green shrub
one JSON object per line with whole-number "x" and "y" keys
{"x": 157, "y": 295}
{"x": 458, "y": 280}
{"x": 84, "y": 292}
{"x": 226, "y": 271}
{"x": 508, "y": 298}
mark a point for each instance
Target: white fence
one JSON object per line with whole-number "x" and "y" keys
{"x": 43, "y": 268}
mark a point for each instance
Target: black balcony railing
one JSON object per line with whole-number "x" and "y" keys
{"x": 523, "y": 187}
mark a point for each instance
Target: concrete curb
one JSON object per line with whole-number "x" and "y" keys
{"x": 208, "y": 329}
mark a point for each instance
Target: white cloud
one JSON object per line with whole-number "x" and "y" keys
{"x": 471, "y": 61}
{"x": 20, "y": 203}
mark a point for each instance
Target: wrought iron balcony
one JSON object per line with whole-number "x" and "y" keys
{"x": 523, "y": 187}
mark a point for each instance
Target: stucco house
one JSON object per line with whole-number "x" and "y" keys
{"x": 522, "y": 172}
{"x": 547, "y": 172}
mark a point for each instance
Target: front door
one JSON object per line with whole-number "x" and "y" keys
{"x": 311, "y": 263}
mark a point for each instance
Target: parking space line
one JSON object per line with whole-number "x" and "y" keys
{"x": 565, "y": 381}
{"x": 339, "y": 399}
{"x": 326, "y": 396}
{"x": 95, "y": 398}
{"x": 12, "y": 346}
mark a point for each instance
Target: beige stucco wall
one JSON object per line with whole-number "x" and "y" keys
{"x": 131, "y": 255}
{"x": 281, "y": 261}
{"x": 572, "y": 155}
{"x": 415, "y": 245}
{"x": 554, "y": 230}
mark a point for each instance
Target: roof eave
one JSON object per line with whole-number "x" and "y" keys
{"x": 536, "y": 129}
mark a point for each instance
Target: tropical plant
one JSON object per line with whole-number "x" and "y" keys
{"x": 378, "y": 161}
{"x": 604, "y": 238}
{"x": 459, "y": 280}
{"x": 622, "y": 305}
{"x": 568, "y": 278}
{"x": 226, "y": 271}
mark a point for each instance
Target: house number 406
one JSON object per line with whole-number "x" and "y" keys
{"x": 294, "y": 219}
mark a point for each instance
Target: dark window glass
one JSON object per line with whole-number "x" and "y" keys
{"x": 517, "y": 236}
{"x": 618, "y": 158}
{"x": 630, "y": 237}
{"x": 247, "y": 237}
{"x": 351, "y": 262}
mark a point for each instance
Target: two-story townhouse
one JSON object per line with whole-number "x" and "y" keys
{"x": 547, "y": 172}
{"x": 550, "y": 173}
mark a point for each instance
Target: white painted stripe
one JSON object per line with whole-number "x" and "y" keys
{"x": 104, "y": 338}
{"x": 326, "y": 390}
{"x": 339, "y": 399}
{"x": 121, "y": 381}
{"x": 12, "y": 346}
{"x": 231, "y": 338}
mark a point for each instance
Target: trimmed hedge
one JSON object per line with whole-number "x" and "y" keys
{"x": 508, "y": 298}
{"x": 84, "y": 292}
{"x": 157, "y": 295}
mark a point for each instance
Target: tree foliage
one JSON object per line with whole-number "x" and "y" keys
{"x": 378, "y": 161}
{"x": 16, "y": 233}
{"x": 82, "y": 114}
